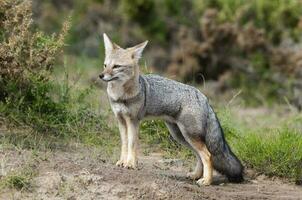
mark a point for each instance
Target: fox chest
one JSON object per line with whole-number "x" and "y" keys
{"x": 127, "y": 109}
{"x": 115, "y": 93}
{"x": 120, "y": 108}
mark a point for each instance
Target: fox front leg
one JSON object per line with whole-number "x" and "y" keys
{"x": 124, "y": 141}
{"x": 132, "y": 132}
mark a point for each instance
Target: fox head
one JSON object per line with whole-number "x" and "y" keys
{"x": 121, "y": 65}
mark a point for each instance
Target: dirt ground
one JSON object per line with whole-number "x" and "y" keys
{"x": 82, "y": 173}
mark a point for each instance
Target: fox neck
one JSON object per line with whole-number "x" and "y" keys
{"x": 126, "y": 90}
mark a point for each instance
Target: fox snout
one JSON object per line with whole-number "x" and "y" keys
{"x": 121, "y": 64}
{"x": 107, "y": 77}
{"x": 106, "y": 74}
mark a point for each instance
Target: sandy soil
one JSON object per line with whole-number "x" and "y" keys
{"x": 84, "y": 174}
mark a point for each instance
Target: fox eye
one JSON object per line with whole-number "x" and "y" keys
{"x": 105, "y": 65}
{"x": 116, "y": 66}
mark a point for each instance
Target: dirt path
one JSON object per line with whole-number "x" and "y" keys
{"x": 83, "y": 174}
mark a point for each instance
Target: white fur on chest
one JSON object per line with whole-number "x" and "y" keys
{"x": 119, "y": 108}
{"x": 115, "y": 92}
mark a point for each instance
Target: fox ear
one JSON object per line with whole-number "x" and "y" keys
{"x": 108, "y": 44}
{"x": 138, "y": 50}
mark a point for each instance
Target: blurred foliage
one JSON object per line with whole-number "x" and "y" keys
{"x": 277, "y": 18}
{"x": 273, "y": 16}
{"x": 238, "y": 43}
{"x": 144, "y": 13}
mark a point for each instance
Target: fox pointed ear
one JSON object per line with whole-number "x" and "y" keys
{"x": 116, "y": 46}
{"x": 138, "y": 50}
{"x": 108, "y": 44}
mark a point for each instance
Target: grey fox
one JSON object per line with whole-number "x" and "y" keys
{"x": 186, "y": 111}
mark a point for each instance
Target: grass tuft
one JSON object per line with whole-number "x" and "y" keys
{"x": 18, "y": 182}
{"x": 20, "y": 179}
{"x": 276, "y": 152}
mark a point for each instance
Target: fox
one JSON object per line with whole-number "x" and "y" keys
{"x": 185, "y": 110}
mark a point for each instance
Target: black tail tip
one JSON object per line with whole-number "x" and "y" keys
{"x": 236, "y": 179}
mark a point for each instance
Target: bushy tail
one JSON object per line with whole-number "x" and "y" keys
{"x": 224, "y": 160}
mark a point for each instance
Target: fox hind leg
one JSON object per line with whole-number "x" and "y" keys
{"x": 197, "y": 172}
{"x": 203, "y": 153}
{"x": 207, "y": 162}
{"x": 177, "y": 135}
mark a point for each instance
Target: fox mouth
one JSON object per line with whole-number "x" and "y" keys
{"x": 112, "y": 79}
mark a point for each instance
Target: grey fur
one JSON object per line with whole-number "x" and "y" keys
{"x": 188, "y": 116}
{"x": 187, "y": 113}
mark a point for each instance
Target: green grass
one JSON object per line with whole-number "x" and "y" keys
{"x": 274, "y": 149}
{"x": 276, "y": 152}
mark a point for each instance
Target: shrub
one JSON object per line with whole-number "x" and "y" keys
{"x": 23, "y": 51}
{"x": 26, "y": 58}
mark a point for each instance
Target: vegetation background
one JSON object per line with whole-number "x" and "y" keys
{"x": 246, "y": 56}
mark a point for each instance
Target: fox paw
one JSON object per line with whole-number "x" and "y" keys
{"x": 130, "y": 164}
{"x": 204, "y": 182}
{"x": 193, "y": 175}
{"x": 120, "y": 163}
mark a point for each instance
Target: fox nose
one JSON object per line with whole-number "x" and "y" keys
{"x": 101, "y": 76}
